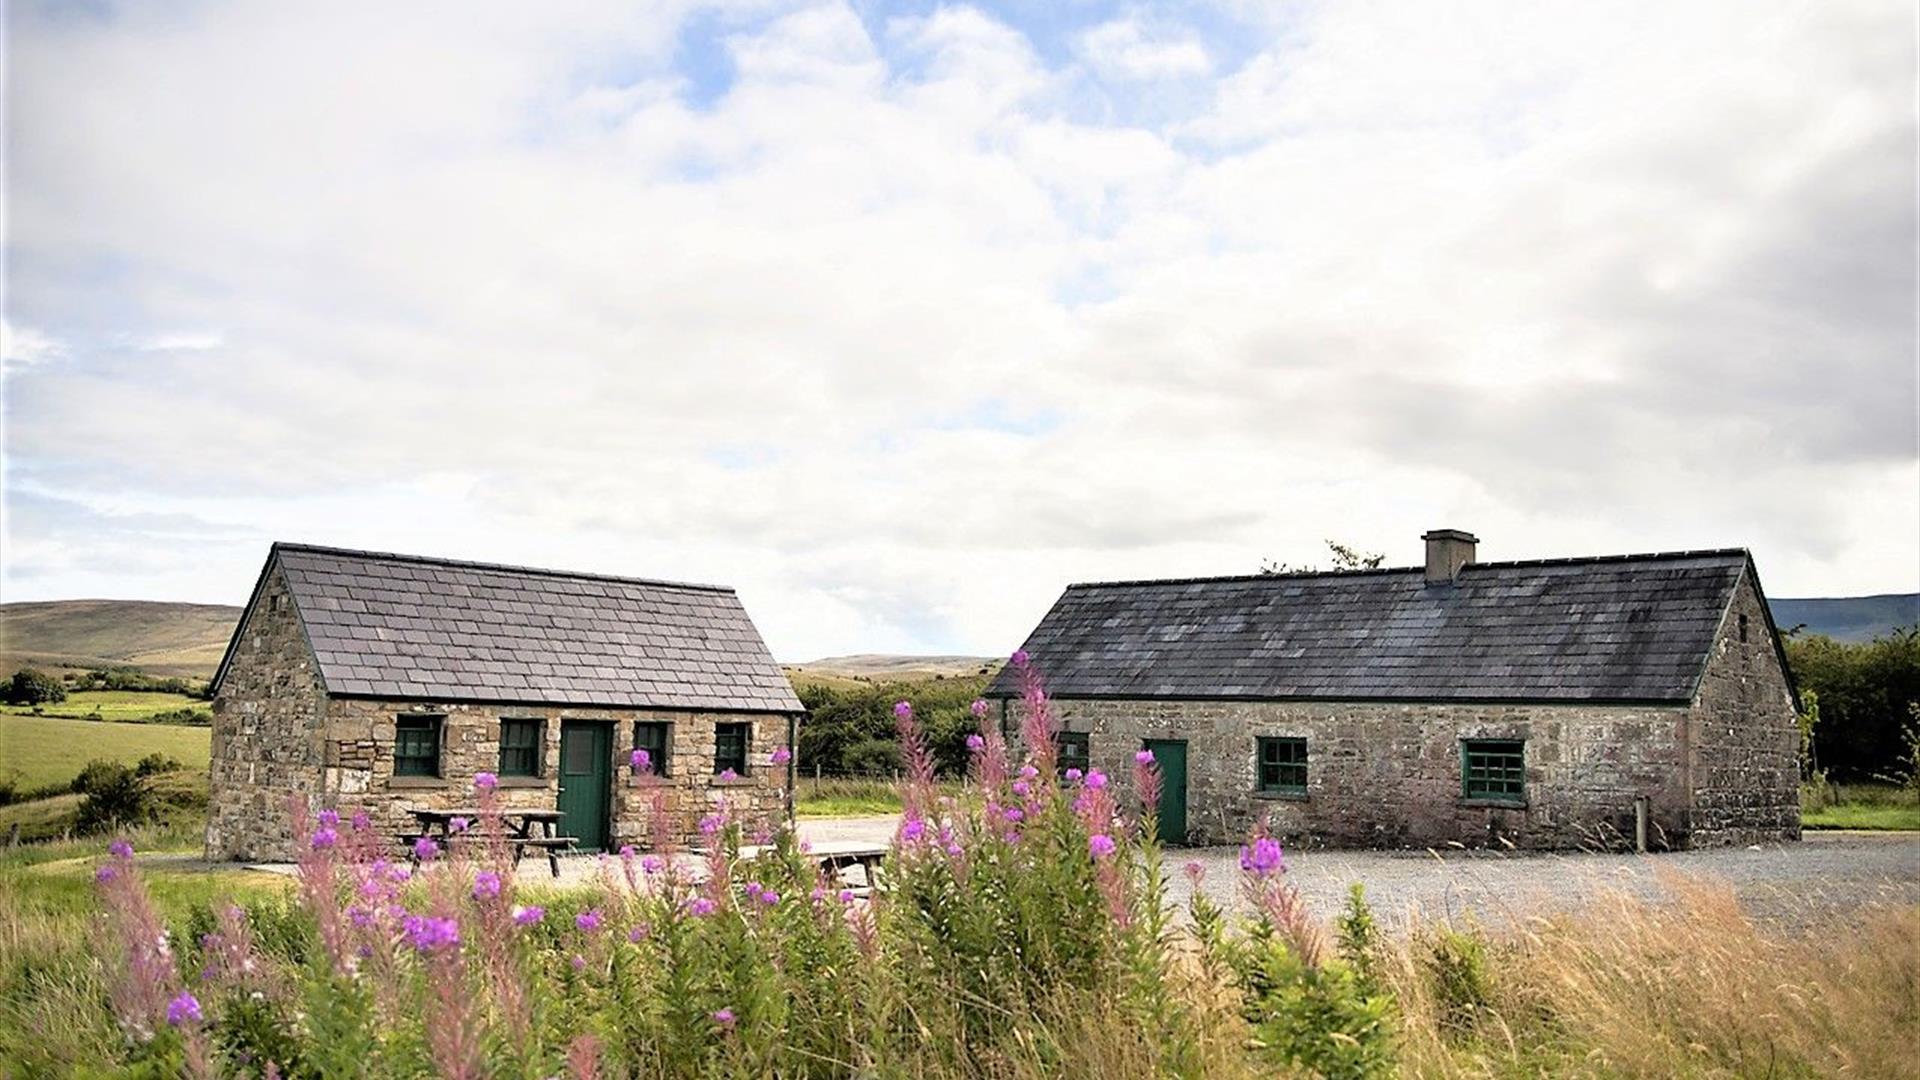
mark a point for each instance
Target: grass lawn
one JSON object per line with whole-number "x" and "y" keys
{"x": 127, "y": 705}
{"x": 1859, "y": 806}
{"x": 38, "y": 750}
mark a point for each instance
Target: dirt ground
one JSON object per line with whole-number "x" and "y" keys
{"x": 1791, "y": 883}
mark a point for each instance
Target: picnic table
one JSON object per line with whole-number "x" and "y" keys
{"x": 534, "y": 829}
{"x": 837, "y": 856}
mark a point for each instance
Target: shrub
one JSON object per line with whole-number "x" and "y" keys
{"x": 31, "y": 687}
{"x": 872, "y": 757}
{"x": 1455, "y": 965}
{"x": 155, "y": 762}
{"x": 114, "y": 797}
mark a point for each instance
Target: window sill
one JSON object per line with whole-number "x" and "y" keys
{"x": 1497, "y": 804}
{"x": 525, "y": 782}
{"x": 417, "y": 782}
{"x": 738, "y": 781}
{"x": 1281, "y": 796}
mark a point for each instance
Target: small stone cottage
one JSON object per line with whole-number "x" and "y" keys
{"x": 376, "y": 682}
{"x": 1524, "y": 703}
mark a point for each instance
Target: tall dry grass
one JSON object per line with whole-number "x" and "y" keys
{"x": 1685, "y": 985}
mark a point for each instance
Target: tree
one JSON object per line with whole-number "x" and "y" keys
{"x": 1863, "y": 692}
{"x": 31, "y": 687}
{"x": 1344, "y": 558}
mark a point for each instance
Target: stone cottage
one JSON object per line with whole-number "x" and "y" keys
{"x": 368, "y": 681}
{"x": 1523, "y": 703}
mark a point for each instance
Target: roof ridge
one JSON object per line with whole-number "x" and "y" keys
{"x": 1572, "y": 560}
{"x": 510, "y": 568}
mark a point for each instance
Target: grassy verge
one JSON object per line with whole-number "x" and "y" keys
{"x": 40, "y": 750}
{"x": 844, "y": 797}
{"x": 125, "y": 706}
{"x": 1859, "y": 806}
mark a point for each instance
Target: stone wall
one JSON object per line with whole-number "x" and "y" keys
{"x": 1388, "y": 775}
{"x": 1745, "y": 761}
{"x": 358, "y": 748}
{"x": 266, "y": 721}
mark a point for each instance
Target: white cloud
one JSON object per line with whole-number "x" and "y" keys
{"x": 1126, "y": 49}
{"x": 486, "y": 285}
{"x": 23, "y": 346}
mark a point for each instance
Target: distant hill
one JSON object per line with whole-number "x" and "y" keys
{"x": 156, "y": 637}
{"x": 1849, "y": 618}
{"x": 884, "y": 667}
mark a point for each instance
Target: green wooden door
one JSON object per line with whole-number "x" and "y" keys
{"x": 586, "y": 781}
{"x": 1171, "y": 756}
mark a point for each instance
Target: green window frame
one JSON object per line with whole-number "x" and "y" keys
{"x": 1282, "y": 765}
{"x": 730, "y": 743}
{"x": 1494, "y": 770}
{"x": 652, "y": 736}
{"x": 523, "y": 742}
{"x": 416, "y": 745}
{"x": 1072, "y": 750}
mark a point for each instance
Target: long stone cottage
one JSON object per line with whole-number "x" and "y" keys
{"x": 1524, "y": 703}
{"x": 367, "y": 681}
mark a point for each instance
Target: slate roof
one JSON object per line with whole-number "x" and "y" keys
{"x": 1619, "y": 628}
{"x": 403, "y": 626}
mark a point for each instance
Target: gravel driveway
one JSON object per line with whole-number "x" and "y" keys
{"x": 1790, "y": 883}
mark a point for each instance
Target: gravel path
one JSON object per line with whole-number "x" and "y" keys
{"x": 1789, "y": 883}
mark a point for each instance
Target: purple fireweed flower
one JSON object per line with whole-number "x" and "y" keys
{"x": 1022, "y": 788}
{"x": 428, "y": 934}
{"x": 105, "y": 873}
{"x": 361, "y": 821}
{"x": 1143, "y": 757}
{"x": 120, "y": 849}
{"x": 486, "y": 781}
{"x": 902, "y": 709}
{"x": 588, "y": 921}
{"x": 626, "y": 851}
{"x": 1011, "y": 837}
{"x": 1073, "y": 775}
{"x": 486, "y": 885}
{"x": 641, "y": 761}
{"x": 700, "y": 905}
{"x": 324, "y": 838}
{"x": 652, "y": 864}
{"x": 579, "y": 962}
{"x": 184, "y": 1009}
{"x": 1263, "y": 858}
{"x": 723, "y": 1017}
{"x": 729, "y": 774}
{"x": 975, "y": 744}
{"x": 1028, "y": 772}
{"x": 1013, "y": 813}
{"x": 1100, "y": 844}
{"x": 978, "y": 708}
{"x": 1096, "y": 779}
{"x": 781, "y": 756}
{"x": 913, "y": 830}
{"x": 769, "y": 897}
{"x": 458, "y": 824}
{"x": 330, "y": 818}
{"x": 1194, "y": 871}
{"x": 845, "y": 896}
{"x": 711, "y": 824}
{"x": 359, "y": 916}
{"x": 425, "y": 849}
{"x": 1020, "y": 658}
{"x": 528, "y": 915}
{"x": 637, "y": 934}
{"x": 400, "y": 872}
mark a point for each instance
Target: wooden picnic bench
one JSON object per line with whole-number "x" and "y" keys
{"x": 836, "y": 857}
{"x": 526, "y": 830}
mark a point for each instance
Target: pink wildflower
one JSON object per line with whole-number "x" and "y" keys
{"x": 1073, "y": 775}
{"x": 184, "y": 1009}
{"x": 902, "y": 709}
{"x": 106, "y": 873}
{"x": 361, "y": 821}
{"x": 912, "y": 830}
{"x": 652, "y": 864}
{"x": 641, "y": 761}
{"x": 323, "y": 838}
{"x": 845, "y": 896}
{"x": 1100, "y": 844}
{"x": 975, "y": 744}
{"x": 729, "y": 774}
{"x": 120, "y": 849}
{"x": 486, "y": 781}
{"x": 528, "y": 915}
{"x": 588, "y": 921}
{"x": 330, "y": 818}
{"x": 711, "y": 824}
{"x": 723, "y": 1017}
{"x": 1021, "y": 658}
{"x": 978, "y": 708}
{"x": 1143, "y": 757}
{"x": 1263, "y": 858}
{"x": 1028, "y": 772}
{"x": 425, "y": 849}
{"x": 429, "y": 934}
{"x": 459, "y": 824}
{"x": 486, "y": 885}
{"x": 1013, "y": 814}
{"x": 638, "y": 934}
{"x": 769, "y": 897}
{"x": 781, "y": 756}
{"x": 1195, "y": 872}
{"x": 1022, "y": 788}
{"x": 700, "y": 906}
{"x": 1096, "y": 779}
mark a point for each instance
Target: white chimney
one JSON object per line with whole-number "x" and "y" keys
{"x": 1447, "y": 551}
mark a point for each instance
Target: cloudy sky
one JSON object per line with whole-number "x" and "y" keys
{"x": 900, "y": 317}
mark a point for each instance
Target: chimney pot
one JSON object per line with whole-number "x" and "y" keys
{"x": 1447, "y": 551}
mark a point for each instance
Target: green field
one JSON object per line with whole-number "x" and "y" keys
{"x": 1859, "y": 806}
{"x": 37, "y": 751}
{"x": 125, "y": 705}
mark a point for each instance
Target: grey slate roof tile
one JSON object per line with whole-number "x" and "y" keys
{"x": 386, "y": 625}
{"x": 1620, "y": 628}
